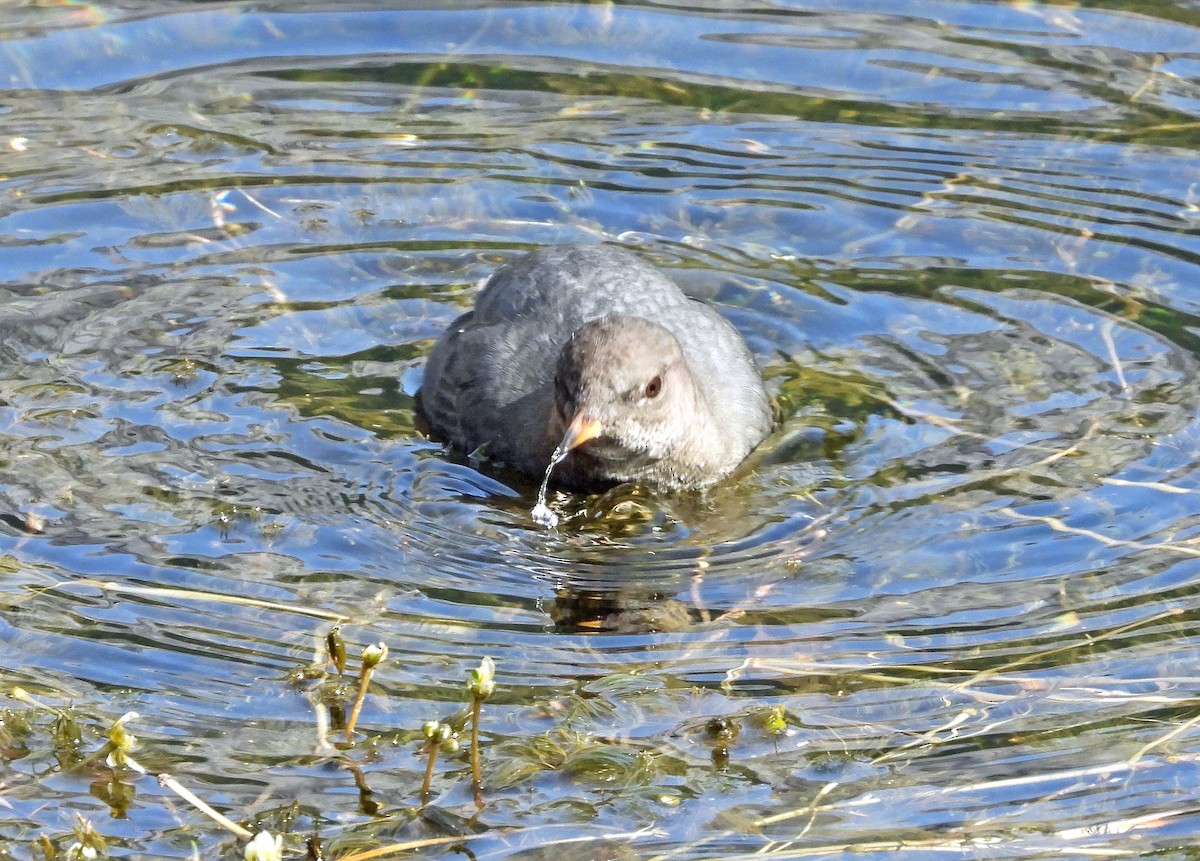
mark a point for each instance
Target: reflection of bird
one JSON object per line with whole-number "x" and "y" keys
{"x": 587, "y": 349}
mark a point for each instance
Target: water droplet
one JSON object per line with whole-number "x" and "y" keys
{"x": 543, "y": 516}
{"x": 541, "y": 513}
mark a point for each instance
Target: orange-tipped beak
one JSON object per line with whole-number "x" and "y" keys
{"x": 581, "y": 430}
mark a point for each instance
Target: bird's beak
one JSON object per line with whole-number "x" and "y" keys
{"x": 581, "y": 430}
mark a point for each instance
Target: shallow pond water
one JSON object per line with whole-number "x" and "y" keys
{"x": 945, "y": 610}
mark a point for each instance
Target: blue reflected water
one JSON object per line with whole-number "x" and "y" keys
{"x": 963, "y": 242}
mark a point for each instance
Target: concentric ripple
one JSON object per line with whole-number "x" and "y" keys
{"x": 949, "y": 605}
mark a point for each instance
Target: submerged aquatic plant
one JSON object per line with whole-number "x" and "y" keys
{"x": 335, "y": 648}
{"x": 436, "y": 734}
{"x": 121, "y": 744}
{"x": 88, "y": 843}
{"x": 372, "y": 656}
{"x": 481, "y": 683}
{"x": 265, "y": 847}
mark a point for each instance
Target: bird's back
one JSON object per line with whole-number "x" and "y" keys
{"x": 564, "y": 286}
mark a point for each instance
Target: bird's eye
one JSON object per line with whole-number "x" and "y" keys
{"x": 653, "y": 387}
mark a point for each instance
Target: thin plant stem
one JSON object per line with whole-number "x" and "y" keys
{"x": 476, "y": 778}
{"x": 434, "y": 747}
{"x": 364, "y": 678}
{"x": 191, "y": 798}
{"x": 372, "y": 657}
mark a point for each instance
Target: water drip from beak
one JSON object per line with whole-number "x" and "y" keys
{"x": 581, "y": 430}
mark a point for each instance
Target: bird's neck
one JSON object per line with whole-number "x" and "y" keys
{"x": 700, "y": 454}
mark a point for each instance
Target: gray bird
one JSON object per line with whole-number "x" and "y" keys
{"x": 587, "y": 351}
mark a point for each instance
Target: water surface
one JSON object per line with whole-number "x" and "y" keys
{"x": 948, "y": 607}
